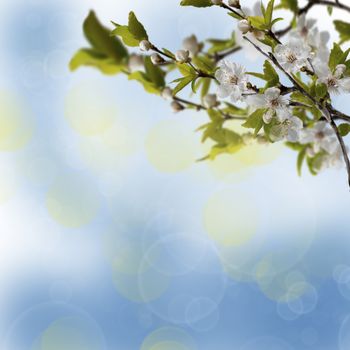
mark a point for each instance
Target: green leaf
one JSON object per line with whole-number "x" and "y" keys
{"x": 269, "y": 12}
{"x": 321, "y": 91}
{"x": 330, "y": 10}
{"x": 300, "y": 160}
{"x": 91, "y": 58}
{"x": 257, "y": 22}
{"x": 289, "y": 5}
{"x": 136, "y": 28}
{"x": 100, "y": 39}
{"x": 154, "y": 73}
{"x": 196, "y": 3}
{"x": 127, "y": 37}
{"x": 335, "y": 56}
{"x": 183, "y": 83}
{"x": 343, "y": 29}
{"x": 344, "y": 129}
{"x": 219, "y": 45}
{"x": 255, "y": 121}
{"x": 143, "y": 79}
{"x": 271, "y": 76}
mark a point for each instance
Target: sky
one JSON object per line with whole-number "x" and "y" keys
{"x": 112, "y": 236}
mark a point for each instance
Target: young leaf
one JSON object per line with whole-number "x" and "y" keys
{"x": 196, "y": 3}
{"x": 300, "y": 160}
{"x": 269, "y": 12}
{"x": 255, "y": 121}
{"x": 154, "y": 73}
{"x": 101, "y": 41}
{"x": 344, "y": 129}
{"x": 183, "y": 83}
{"x": 343, "y": 29}
{"x": 127, "y": 37}
{"x": 136, "y": 28}
{"x": 91, "y": 58}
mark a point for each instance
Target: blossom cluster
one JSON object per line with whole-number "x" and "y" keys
{"x": 299, "y": 112}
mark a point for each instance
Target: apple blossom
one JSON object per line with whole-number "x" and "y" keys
{"x": 275, "y": 103}
{"x": 233, "y": 80}
{"x": 294, "y": 55}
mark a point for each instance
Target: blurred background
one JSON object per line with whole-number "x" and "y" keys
{"x": 112, "y": 236}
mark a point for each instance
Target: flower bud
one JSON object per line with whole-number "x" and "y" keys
{"x": 135, "y": 63}
{"x": 244, "y": 26}
{"x": 216, "y": 2}
{"x": 210, "y": 101}
{"x": 192, "y": 45}
{"x": 157, "y": 59}
{"x": 182, "y": 56}
{"x": 145, "y": 45}
{"x": 177, "y": 107}
{"x": 167, "y": 93}
{"x": 248, "y": 139}
{"x": 234, "y": 3}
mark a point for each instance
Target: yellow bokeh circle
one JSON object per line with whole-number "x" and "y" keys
{"x": 168, "y": 338}
{"x": 230, "y": 217}
{"x": 89, "y": 108}
{"x": 72, "y": 200}
{"x": 16, "y": 123}
{"x": 172, "y": 146}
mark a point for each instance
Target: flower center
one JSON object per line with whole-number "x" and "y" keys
{"x": 274, "y": 103}
{"x": 233, "y": 79}
{"x": 291, "y": 58}
{"x": 320, "y": 135}
{"x": 332, "y": 82}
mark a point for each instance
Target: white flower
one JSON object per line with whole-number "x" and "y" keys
{"x": 233, "y": 80}
{"x": 276, "y": 104}
{"x": 334, "y": 160}
{"x": 289, "y": 129}
{"x": 321, "y": 136}
{"x": 192, "y": 45}
{"x": 335, "y": 82}
{"x": 244, "y": 26}
{"x": 182, "y": 56}
{"x": 136, "y": 63}
{"x": 294, "y": 55}
{"x": 145, "y": 45}
{"x": 210, "y": 101}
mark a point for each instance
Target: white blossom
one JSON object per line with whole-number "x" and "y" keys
{"x": 321, "y": 136}
{"x": 192, "y": 45}
{"x": 289, "y": 129}
{"x": 307, "y": 32}
{"x": 293, "y": 55}
{"x": 335, "y": 159}
{"x": 335, "y": 82}
{"x": 233, "y": 80}
{"x": 276, "y": 104}
{"x": 182, "y": 56}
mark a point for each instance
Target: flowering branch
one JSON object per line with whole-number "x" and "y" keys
{"x": 302, "y": 114}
